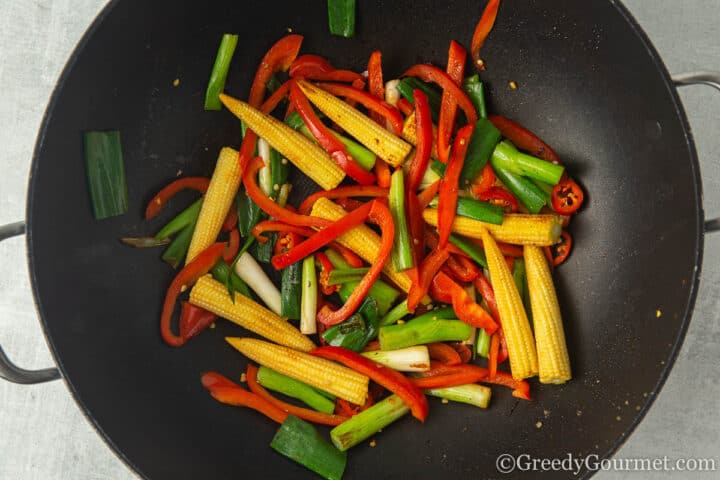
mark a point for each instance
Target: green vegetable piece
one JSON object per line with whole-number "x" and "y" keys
{"x": 216, "y": 84}
{"x": 278, "y": 382}
{"x": 509, "y": 158}
{"x": 340, "y": 276}
{"x": 484, "y": 139}
{"x": 105, "y": 173}
{"x": 185, "y": 218}
{"x": 175, "y": 253}
{"x": 349, "y": 334}
{"x": 263, "y": 252}
{"x": 422, "y": 330}
{"x": 482, "y": 346}
{"x": 438, "y": 167}
{"x": 398, "y": 312}
{"x": 299, "y": 441}
{"x": 434, "y": 96}
{"x": 402, "y": 254}
{"x": 475, "y": 90}
{"x": 476, "y": 209}
{"x": 341, "y": 17}
{"x": 471, "y": 249}
{"x": 368, "y": 422}
{"x": 472, "y": 394}
{"x": 290, "y": 291}
{"x": 523, "y": 188}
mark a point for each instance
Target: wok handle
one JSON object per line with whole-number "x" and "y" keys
{"x": 711, "y": 79}
{"x": 8, "y": 370}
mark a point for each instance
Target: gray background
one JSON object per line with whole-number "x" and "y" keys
{"x": 43, "y": 434}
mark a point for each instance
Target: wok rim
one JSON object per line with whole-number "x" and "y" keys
{"x": 674, "y": 349}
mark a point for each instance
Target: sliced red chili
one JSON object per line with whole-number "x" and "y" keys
{"x": 561, "y": 250}
{"x": 567, "y": 197}
{"x": 501, "y": 197}
{"x": 161, "y": 198}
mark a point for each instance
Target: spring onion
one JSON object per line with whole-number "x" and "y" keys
{"x": 105, "y": 173}
{"x": 308, "y": 301}
{"x": 509, "y": 158}
{"x": 483, "y": 142}
{"x": 339, "y": 276}
{"x": 216, "y": 84}
{"x": 185, "y": 218}
{"x": 529, "y": 194}
{"x": 368, "y": 422}
{"x": 473, "y": 394}
{"x": 469, "y": 248}
{"x": 409, "y": 359}
{"x": 434, "y": 96}
{"x": 402, "y": 253}
{"x": 482, "y": 345}
{"x": 476, "y": 209}
{"x": 222, "y": 272}
{"x": 423, "y": 330}
{"x": 251, "y": 273}
{"x": 475, "y": 90}
{"x": 341, "y": 17}
{"x": 291, "y": 291}
{"x": 269, "y": 378}
{"x": 398, "y": 312}
{"x": 175, "y": 253}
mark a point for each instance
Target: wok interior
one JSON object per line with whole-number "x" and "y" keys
{"x": 587, "y": 85}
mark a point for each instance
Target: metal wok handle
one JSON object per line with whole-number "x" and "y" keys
{"x": 8, "y": 370}
{"x": 711, "y": 79}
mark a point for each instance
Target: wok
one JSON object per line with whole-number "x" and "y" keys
{"x": 590, "y": 84}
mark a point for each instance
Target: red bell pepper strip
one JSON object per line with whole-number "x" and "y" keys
{"x": 448, "y": 107}
{"x": 350, "y": 257}
{"x": 487, "y": 180}
{"x": 493, "y": 354}
{"x": 524, "y": 139}
{"x": 521, "y": 388}
{"x": 465, "y": 308}
{"x": 441, "y": 375}
{"x": 444, "y": 353}
{"x": 463, "y": 350}
{"x": 231, "y": 250}
{"x": 277, "y": 96}
{"x": 424, "y": 134}
{"x": 315, "y": 67}
{"x": 184, "y": 279}
{"x": 339, "y": 192}
{"x": 561, "y": 250}
{"x": 327, "y": 140}
{"x": 379, "y": 215}
{"x": 230, "y": 220}
{"x": 278, "y": 59}
{"x": 349, "y": 204}
{"x": 482, "y": 29}
{"x": 270, "y": 207}
{"x": 276, "y": 226}
{"x": 376, "y": 86}
{"x": 386, "y": 377}
{"x": 382, "y": 172}
{"x": 194, "y": 320}
{"x": 501, "y": 197}
{"x": 368, "y": 101}
{"x": 416, "y": 229}
{"x": 426, "y": 196}
{"x": 326, "y": 267}
{"x": 322, "y": 238}
{"x": 430, "y": 73}
{"x": 486, "y": 291}
{"x": 567, "y": 197}
{"x": 460, "y": 269}
{"x": 229, "y": 393}
{"x": 429, "y": 267}
{"x": 449, "y": 184}
{"x": 405, "y": 106}
{"x": 161, "y": 198}
{"x": 431, "y": 240}
{"x": 300, "y": 412}
{"x": 346, "y": 408}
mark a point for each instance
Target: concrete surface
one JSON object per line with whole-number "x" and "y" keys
{"x": 43, "y": 434}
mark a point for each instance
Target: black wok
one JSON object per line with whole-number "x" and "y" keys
{"x": 590, "y": 84}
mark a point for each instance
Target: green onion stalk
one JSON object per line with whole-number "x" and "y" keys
{"x": 402, "y": 253}
{"x": 280, "y": 383}
{"x": 422, "y": 330}
{"x": 368, "y": 422}
{"x": 476, "y": 209}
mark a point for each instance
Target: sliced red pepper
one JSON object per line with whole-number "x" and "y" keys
{"x": 462, "y": 350}
{"x": 444, "y": 353}
{"x": 448, "y": 107}
{"x": 277, "y": 96}
{"x": 372, "y": 346}
{"x": 382, "y": 172}
{"x": 449, "y": 184}
{"x": 488, "y": 294}
{"x": 304, "y": 413}
{"x": 423, "y": 148}
{"x": 482, "y": 29}
{"x": 386, "y": 377}
{"x": 349, "y": 204}
{"x": 368, "y": 101}
{"x": 270, "y": 207}
{"x": 326, "y": 267}
{"x": 315, "y": 67}
{"x": 441, "y": 375}
{"x": 464, "y": 307}
{"x": 277, "y": 59}
{"x": 426, "y": 196}
{"x": 339, "y": 192}
{"x": 430, "y": 73}
{"x": 322, "y": 238}
{"x": 230, "y": 220}
{"x": 229, "y": 393}
{"x": 350, "y": 257}
{"x": 567, "y": 197}
{"x": 194, "y": 320}
{"x": 161, "y": 198}
{"x": 379, "y": 215}
{"x": 487, "y": 180}
{"x": 327, "y": 140}
{"x": 416, "y": 229}
{"x": 523, "y": 138}
{"x": 376, "y": 86}
{"x": 405, "y": 106}
{"x": 233, "y": 247}
{"x": 561, "y": 250}
{"x": 462, "y": 268}
{"x": 277, "y": 226}
{"x": 493, "y": 354}
{"x": 521, "y": 388}
{"x": 501, "y": 197}
{"x": 185, "y": 279}
{"x": 429, "y": 267}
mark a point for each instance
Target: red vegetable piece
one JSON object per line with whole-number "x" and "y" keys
{"x": 523, "y": 139}
{"x": 368, "y": 101}
{"x": 278, "y": 59}
{"x": 429, "y": 73}
{"x": 449, "y": 184}
{"x": 163, "y": 196}
{"x": 567, "y": 197}
{"x": 424, "y": 134}
{"x": 315, "y": 67}
{"x": 233, "y": 247}
{"x": 194, "y": 320}
{"x": 501, "y": 197}
{"x": 340, "y": 192}
{"x": 448, "y": 107}
{"x": 376, "y": 86}
{"x": 482, "y": 29}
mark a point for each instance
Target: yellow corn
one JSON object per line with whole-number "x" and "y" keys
{"x": 376, "y": 138}
{"x": 514, "y": 321}
{"x": 409, "y": 133}
{"x": 219, "y": 198}
{"x": 318, "y": 372}
{"x": 361, "y": 240}
{"x": 305, "y": 154}
{"x": 214, "y": 297}
{"x": 517, "y": 228}
{"x": 553, "y": 358}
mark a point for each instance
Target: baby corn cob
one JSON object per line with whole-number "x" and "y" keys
{"x": 517, "y": 228}
{"x": 305, "y": 154}
{"x": 361, "y": 240}
{"x": 218, "y": 200}
{"x": 317, "y": 372}
{"x": 377, "y": 139}
{"x": 553, "y": 358}
{"x": 514, "y": 321}
{"x": 214, "y": 297}
{"x": 409, "y": 133}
